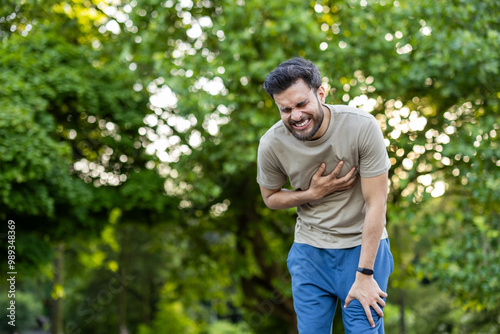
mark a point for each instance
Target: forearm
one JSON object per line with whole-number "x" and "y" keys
{"x": 285, "y": 198}
{"x": 320, "y": 187}
{"x": 365, "y": 289}
{"x": 372, "y": 232}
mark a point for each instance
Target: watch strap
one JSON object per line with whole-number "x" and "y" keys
{"x": 365, "y": 271}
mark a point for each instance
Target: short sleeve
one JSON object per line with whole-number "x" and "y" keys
{"x": 373, "y": 157}
{"x": 269, "y": 173}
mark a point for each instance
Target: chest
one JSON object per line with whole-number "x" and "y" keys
{"x": 301, "y": 165}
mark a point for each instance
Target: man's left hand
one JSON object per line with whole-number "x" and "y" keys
{"x": 366, "y": 290}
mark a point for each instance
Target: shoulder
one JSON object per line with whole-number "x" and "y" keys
{"x": 352, "y": 120}
{"x": 277, "y": 131}
{"x": 350, "y": 113}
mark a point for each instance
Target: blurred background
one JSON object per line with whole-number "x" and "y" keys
{"x": 128, "y": 138}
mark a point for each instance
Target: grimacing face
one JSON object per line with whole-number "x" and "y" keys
{"x": 301, "y": 110}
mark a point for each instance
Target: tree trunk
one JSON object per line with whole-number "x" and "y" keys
{"x": 57, "y": 319}
{"x": 122, "y": 311}
{"x": 293, "y": 326}
{"x": 402, "y": 325}
{"x": 122, "y": 295}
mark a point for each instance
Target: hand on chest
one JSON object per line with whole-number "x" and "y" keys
{"x": 301, "y": 167}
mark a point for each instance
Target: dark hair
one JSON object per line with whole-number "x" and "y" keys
{"x": 287, "y": 73}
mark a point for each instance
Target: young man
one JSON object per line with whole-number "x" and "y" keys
{"x": 341, "y": 251}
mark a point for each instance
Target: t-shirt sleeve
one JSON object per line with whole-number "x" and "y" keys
{"x": 269, "y": 173}
{"x": 373, "y": 157}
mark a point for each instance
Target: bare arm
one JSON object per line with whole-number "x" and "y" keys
{"x": 375, "y": 194}
{"x": 365, "y": 289}
{"x": 319, "y": 188}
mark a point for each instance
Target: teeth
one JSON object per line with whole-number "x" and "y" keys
{"x": 302, "y": 124}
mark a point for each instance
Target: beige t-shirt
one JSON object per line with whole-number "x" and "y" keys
{"x": 353, "y": 136}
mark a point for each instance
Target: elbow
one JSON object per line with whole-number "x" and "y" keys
{"x": 269, "y": 198}
{"x": 270, "y": 204}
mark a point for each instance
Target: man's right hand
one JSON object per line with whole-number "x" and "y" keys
{"x": 322, "y": 186}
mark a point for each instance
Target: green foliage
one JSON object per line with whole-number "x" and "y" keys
{"x": 28, "y": 308}
{"x": 53, "y": 105}
{"x": 170, "y": 318}
{"x": 225, "y": 327}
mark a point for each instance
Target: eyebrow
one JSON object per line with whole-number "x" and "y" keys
{"x": 300, "y": 104}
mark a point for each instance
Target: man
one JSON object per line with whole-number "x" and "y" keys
{"x": 341, "y": 251}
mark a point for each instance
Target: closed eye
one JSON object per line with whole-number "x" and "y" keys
{"x": 298, "y": 105}
{"x": 302, "y": 103}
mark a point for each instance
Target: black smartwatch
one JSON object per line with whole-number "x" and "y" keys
{"x": 365, "y": 271}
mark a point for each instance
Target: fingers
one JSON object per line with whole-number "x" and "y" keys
{"x": 379, "y": 311}
{"x": 348, "y": 181}
{"x": 379, "y": 302}
{"x": 330, "y": 183}
{"x": 348, "y": 300}
{"x": 369, "y": 315}
{"x": 349, "y": 176}
{"x": 320, "y": 170}
{"x": 337, "y": 170}
{"x": 376, "y": 305}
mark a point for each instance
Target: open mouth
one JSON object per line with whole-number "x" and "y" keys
{"x": 302, "y": 125}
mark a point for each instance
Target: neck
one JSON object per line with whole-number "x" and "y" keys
{"x": 324, "y": 124}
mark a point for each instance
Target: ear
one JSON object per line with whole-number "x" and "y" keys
{"x": 321, "y": 94}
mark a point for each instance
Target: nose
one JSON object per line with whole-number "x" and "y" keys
{"x": 296, "y": 115}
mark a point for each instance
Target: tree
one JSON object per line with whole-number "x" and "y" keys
{"x": 69, "y": 120}
{"x": 428, "y": 72}
{"x": 428, "y": 80}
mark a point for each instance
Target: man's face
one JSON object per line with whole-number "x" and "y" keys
{"x": 302, "y": 111}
